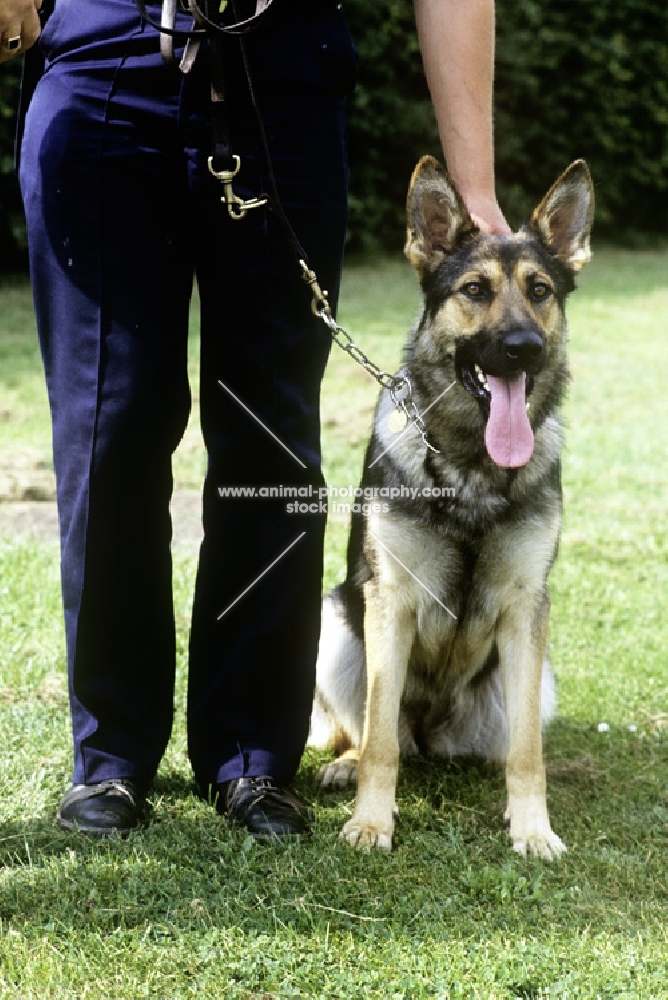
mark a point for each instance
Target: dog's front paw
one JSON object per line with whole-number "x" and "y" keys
{"x": 530, "y": 829}
{"x": 368, "y": 835}
{"x": 543, "y": 844}
{"x": 339, "y": 773}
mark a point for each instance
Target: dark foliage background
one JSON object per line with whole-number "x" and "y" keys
{"x": 12, "y": 253}
{"x": 574, "y": 78}
{"x": 585, "y": 78}
{"x": 390, "y": 120}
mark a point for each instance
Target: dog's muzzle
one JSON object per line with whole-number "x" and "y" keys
{"x": 499, "y": 372}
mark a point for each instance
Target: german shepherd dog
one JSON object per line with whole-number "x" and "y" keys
{"x": 436, "y": 641}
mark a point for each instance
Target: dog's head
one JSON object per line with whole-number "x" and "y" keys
{"x": 494, "y": 305}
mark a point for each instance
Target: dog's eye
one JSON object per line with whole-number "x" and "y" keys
{"x": 474, "y": 289}
{"x": 540, "y": 290}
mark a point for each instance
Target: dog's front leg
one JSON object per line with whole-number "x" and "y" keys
{"x": 388, "y": 636}
{"x": 522, "y": 643}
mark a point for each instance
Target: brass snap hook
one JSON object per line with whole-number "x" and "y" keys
{"x": 237, "y": 207}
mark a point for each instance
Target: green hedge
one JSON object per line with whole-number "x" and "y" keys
{"x": 574, "y": 78}
{"x": 11, "y": 220}
{"x": 586, "y": 78}
{"x": 390, "y": 120}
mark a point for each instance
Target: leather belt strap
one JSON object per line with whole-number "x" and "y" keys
{"x": 222, "y": 158}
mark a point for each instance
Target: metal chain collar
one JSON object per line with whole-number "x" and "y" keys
{"x": 399, "y": 386}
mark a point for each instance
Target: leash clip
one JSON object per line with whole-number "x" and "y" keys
{"x": 236, "y": 206}
{"x": 320, "y": 306}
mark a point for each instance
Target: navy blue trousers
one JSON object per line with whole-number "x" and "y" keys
{"x": 122, "y": 213}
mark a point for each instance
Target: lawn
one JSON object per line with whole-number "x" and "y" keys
{"x": 191, "y": 908}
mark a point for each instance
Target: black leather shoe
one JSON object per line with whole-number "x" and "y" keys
{"x": 262, "y": 807}
{"x": 114, "y": 806}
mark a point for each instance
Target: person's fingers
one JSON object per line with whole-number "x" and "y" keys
{"x": 19, "y": 30}
{"x": 492, "y": 222}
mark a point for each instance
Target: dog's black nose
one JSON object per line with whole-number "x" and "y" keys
{"x": 524, "y": 349}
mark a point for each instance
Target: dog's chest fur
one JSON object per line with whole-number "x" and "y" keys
{"x": 469, "y": 556}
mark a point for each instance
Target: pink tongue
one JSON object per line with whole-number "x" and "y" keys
{"x": 508, "y": 434}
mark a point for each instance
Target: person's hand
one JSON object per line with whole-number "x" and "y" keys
{"x": 19, "y": 26}
{"x": 487, "y": 215}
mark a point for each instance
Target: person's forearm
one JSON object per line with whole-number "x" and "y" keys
{"x": 457, "y": 43}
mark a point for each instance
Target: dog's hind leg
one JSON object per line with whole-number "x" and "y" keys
{"x": 389, "y": 630}
{"x": 342, "y": 771}
{"x": 338, "y": 707}
{"x": 522, "y": 642}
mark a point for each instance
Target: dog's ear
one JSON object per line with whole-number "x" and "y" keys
{"x": 565, "y": 215}
{"x": 438, "y": 219}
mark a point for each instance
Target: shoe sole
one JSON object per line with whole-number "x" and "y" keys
{"x": 94, "y": 831}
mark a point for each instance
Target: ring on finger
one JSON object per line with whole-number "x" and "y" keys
{"x": 12, "y": 44}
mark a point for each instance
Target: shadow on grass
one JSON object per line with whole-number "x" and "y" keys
{"x": 29, "y": 843}
{"x": 452, "y": 872}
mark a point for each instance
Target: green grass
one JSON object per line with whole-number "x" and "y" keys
{"x": 190, "y": 908}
